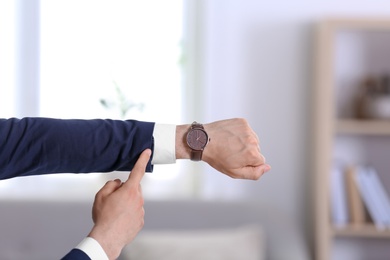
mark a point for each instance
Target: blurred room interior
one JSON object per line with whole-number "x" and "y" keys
{"x": 185, "y": 60}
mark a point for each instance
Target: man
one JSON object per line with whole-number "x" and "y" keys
{"x": 32, "y": 146}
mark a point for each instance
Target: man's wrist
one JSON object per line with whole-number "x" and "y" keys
{"x": 182, "y": 149}
{"x": 112, "y": 250}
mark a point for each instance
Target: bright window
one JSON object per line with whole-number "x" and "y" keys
{"x": 7, "y": 43}
{"x": 96, "y": 56}
{"x": 90, "y": 47}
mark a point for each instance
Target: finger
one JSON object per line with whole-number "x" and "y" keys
{"x": 252, "y": 172}
{"x": 255, "y": 135}
{"x": 254, "y": 158}
{"x": 110, "y": 187}
{"x": 138, "y": 171}
{"x": 260, "y": 171}
{"x": 263, "y": 158}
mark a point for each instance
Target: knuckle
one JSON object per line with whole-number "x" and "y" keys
{"x": 251, "y": 139}
{"x": 254, "y": 155}
{"x": 245, "y": 123}
{"x": 241, "y": 120}
{"x": 97, "y": 196}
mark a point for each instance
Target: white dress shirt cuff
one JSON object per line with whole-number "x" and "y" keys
{"x": 92, "y": 248}
{"x": 164, "y": 144}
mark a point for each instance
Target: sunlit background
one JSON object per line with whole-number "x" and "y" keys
{"x": 175, "y": 61}
{"x": 71, "y": 59}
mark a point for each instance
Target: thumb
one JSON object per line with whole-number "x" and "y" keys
{"x": 138, "y": 171}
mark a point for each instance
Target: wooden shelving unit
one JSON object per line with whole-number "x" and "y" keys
{"x": 364, "y": 231}
{"x": 363, "y": 127}
{"x": 330, "y": 124}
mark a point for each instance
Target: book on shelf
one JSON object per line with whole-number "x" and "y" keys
{"x": 367, "y": 192}
{"x": 356, "y": 208}
{"x": 380, "y": 195}
{"x": 339, "y": 209}
{"x": 374, "y": 196}
{"x": 357, "y": 192}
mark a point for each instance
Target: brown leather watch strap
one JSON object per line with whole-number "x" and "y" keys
{"x": 196, "y": 155}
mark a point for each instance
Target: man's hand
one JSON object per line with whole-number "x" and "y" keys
{"x": 233, "y": 149}
{"x": 118, "y": 211}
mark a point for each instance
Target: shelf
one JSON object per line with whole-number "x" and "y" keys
{"x": 360, "y": 24}
{"x": 363, "y": 127}
{"x": 362, "y": 231}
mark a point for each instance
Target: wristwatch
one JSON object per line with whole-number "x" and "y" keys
{"x": 197, "y": 140}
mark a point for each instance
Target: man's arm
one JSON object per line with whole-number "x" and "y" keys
{"x": 32, "y": 146}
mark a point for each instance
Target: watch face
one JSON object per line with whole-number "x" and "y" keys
{"x": 197, "y": 139}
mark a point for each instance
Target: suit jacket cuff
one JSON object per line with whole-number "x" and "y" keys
{"x": 92, "y": 248}
{"x": 164, "y": 136}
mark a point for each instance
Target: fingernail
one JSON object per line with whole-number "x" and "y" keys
{"x": 267, "y": 168}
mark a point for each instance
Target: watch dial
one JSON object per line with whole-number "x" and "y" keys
{"x": 197, "y": 139}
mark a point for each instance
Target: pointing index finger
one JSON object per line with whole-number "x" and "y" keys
{"x": 138, "y": 171}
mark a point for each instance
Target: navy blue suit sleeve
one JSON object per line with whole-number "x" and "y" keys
{"x": 32, "y": 146}
{"x": 76, "y": 254}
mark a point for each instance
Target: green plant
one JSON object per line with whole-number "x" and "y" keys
{"x": 123, "y": 104}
